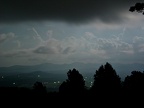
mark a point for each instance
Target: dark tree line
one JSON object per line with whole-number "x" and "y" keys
{"x": 107, "y": 87}
{"x": 106, "y": 81}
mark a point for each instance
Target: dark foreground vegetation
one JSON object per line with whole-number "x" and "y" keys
{"x": 107, "y": 90}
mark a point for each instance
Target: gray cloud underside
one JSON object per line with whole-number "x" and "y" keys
{"x": 76, "y": 11}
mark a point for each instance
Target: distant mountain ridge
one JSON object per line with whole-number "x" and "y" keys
{"x": 43, "y": 67}
{"x": 51, "y": 74}
{"x": 121, "y": 69}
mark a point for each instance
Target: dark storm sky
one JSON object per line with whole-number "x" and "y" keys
{"x": 67, "y": 31}
{"x": 63, "y": 10}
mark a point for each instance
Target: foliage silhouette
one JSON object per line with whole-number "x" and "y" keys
{"x": 107, "y": 88}
{"x": 135, "y": 81}
{"x": 75, "y": 83}
{"x": 139, "y": 7}
{"x": 106, "y": 81}
{"x": 133, "y": 87}
{"x": 39, "y": 88}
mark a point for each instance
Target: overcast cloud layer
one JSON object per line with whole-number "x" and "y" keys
{"x": 72, "y": 11}
{"x": 67, "y": 31}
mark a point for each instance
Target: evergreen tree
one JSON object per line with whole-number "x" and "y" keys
{"x": 135, "y": 81}
{"x": 75, "y": 83}
{"x": 106, "y": 80}
{"x": 39, "y": 88}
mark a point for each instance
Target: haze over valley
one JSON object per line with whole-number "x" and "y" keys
{"x": 52, "y": 75}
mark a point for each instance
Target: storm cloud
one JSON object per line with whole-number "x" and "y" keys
{"x": 72, "y": 11}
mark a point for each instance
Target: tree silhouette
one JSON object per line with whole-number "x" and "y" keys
{"x": 135, "y": 81}
{"x": 106, "y": 80}
{"x": 39, "y": 88}
{"x": 75, "y": 83}
{"x": 133, "y": 87}
{"x": 139, "y": 7}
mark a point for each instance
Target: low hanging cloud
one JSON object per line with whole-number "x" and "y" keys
{"x": 72, "y": 11}
{"x": 90, "y": 44}
{"x": 138, "y": 43}
{"x": 15, "y": 53}
{"x": 6, "y": 36}
{"x": 85, "y": 48}
{"x": 69, "y": 50}
{"x": 53, "y": 46}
